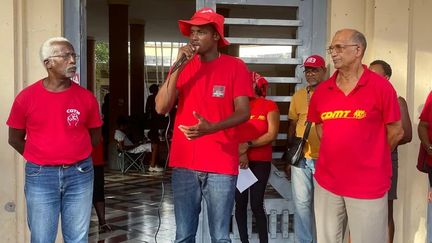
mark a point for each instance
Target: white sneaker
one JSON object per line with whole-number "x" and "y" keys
{"x": 155, "y": 169}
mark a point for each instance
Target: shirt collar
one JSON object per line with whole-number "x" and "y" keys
{"x": 364, "y": 78}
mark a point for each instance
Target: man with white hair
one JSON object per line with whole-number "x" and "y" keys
{"x": 357, "y": 117}
{"x": 54, "y": 123}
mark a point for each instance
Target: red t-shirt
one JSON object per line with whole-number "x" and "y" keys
{"x": 209, "y": 88}
{"x": 354, "y": 157}
{"x": 56, "y": 123}
{"x": 256, "y": 126}
{"x": 426, "y": 114}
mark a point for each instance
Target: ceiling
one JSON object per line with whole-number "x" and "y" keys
{"x": 160, "y": 18}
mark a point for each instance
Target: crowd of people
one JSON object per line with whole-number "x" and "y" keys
{"x": 347, "y": 179}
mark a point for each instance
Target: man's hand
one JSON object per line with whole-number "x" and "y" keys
{"x": 203, "y": 127}
{"x": 430, "y": 195}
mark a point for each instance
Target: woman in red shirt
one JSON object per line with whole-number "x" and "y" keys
{"x": 259, "y": 132}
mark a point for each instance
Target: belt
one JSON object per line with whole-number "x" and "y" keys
{"x": 60, "y": 166}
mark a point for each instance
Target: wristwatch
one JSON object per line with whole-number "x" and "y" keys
{"x": 249, "y": 143}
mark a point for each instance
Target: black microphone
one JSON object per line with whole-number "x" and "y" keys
{"x": 178, "y": 64}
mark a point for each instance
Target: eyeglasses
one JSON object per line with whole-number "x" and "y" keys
{"x": 338, "y": 48}
{"x": 311, "y": 71}
{"x": 67, "y": 56}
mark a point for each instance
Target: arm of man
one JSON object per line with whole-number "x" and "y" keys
{"x": 422, "y": 130}
{"x": 291, "y": 130}
{"x": 318, "y": 128}
{"x": 272, "y": 131}
{"x": 203, "y": 127}
{"x": 406, "y": 122}
{"x": 95, "y": 135}
{"x": 17, "y": 139}
{"x": 395, "y": 133}
{"x": 167, "y": 94}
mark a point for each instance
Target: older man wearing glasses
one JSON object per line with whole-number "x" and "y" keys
{"x": 357, "y": 118}
{"x": 53, "y": 123}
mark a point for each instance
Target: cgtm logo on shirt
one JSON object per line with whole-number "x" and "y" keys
{"x": 343, "y": 114}
{"x": 72, "y": 117}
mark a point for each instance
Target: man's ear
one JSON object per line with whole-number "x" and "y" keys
{"x": 47, "y": 63}
{"x": 216, "y": 36}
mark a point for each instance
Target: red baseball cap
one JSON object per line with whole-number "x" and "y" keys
{"x": 260, "y": 82}
{"x": 314, "y": 61}
{"x": 202, "y": 17}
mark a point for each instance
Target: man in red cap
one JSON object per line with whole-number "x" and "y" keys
{"x": 302, "y": 174}
{"x": 212, "y": 91}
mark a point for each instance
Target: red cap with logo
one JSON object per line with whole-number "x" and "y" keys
{"x": 314, "y": 61}
{"x": 202, "y": 17}
{"x": 260, "y": 82}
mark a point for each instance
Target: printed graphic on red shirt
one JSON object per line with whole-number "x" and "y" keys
{"x": 73, "y": 117}
{"x": 218, "y": 91}
{"x": 258, "y": 117}
{"x": 344, "y": 114}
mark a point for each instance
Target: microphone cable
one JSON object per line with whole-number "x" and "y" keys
{"x": 173, "y": 69}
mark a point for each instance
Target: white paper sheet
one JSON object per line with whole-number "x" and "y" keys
{"x": 245, "y": 179}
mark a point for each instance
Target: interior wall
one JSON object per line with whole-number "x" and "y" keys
{"x": 419, "y": 85}
{"x": 395, "y": 31}
{"x": 24, "y": 25}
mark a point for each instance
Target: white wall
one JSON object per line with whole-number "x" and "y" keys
{"x": 398, "y": 31}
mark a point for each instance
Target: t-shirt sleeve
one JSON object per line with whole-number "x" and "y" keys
{"x": 17, "y": 116}
{"x": 390, "y": 108}
{"x": 426, "y": 112}
{"x": 94, "y": 117}
{"x": 292, "y": 112}
{"x": 272, "y": 106}
{"x": 243, "y": 81}
{"x": 313, "y": 113}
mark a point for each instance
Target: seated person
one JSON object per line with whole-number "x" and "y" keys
{"x": 124, "y": 142}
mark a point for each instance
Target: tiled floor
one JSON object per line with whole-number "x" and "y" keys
{"x": 132, "y": 203}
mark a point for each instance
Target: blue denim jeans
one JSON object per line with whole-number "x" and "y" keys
{"x": 218, "y": 190}
{"x": 302, "y": 190}
{"x": 51, "y": 191}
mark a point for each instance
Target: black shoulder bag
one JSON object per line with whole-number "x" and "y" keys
{"x": 294, "y": 153}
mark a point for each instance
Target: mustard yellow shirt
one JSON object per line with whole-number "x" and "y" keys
{"x": 298, "y": 112}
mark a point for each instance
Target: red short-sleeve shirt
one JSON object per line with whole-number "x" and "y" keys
{"x": 209, "y": 88}
{"x": 426, "y": 114}
{"x": 56, "y": 123}
{"x": 354, "y": 157}
{"x": 256, "y": 126}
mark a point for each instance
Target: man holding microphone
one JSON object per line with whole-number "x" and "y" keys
{"x": 212, "y": 91}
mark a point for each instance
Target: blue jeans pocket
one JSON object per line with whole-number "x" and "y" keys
{"x": 32, "y": 169}
{"x": 85, "y": 166}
